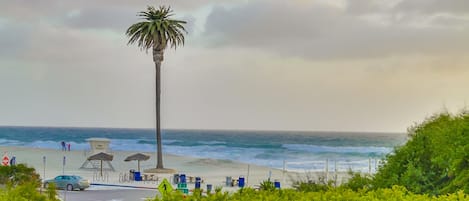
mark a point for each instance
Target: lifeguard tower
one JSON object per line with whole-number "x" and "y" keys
{"x": 97, "y": 145}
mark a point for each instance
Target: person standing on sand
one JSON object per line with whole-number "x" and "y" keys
{"x": 63, "y": 146}
{"x": 68, "y": 145}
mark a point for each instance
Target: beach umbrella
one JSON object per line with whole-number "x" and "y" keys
{"x": 101, "y": 157}
{"x": 137, "y": 157}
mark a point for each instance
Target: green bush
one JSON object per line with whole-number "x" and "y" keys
{"x": 396, "y": 193}
{"x": 24, "y": 192}
{"x": 358, "y": 181}
{"x": 18, "y": 174}
{"x": 51, "y": 192}
{"x": 21, "y": 183}
{"x": 267, "y": 186}
{"x": 435, "y": 159}
{"x": 309, "y": 184}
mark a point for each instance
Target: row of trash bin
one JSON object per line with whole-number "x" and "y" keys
{"x": 241, "y": 182}
{"x": 181, "y": 179}
{"x": 231, "y": 182}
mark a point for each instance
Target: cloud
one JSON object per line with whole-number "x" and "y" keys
{"x": 27, "y": 10}
{"x": 114, "y": 16}
{"x": 322, "y": 31}
{"x": 434, "y": 6}
{"x": 117, "y": 19}
{"x": 66, "y": 29}
{"x": 10, "y": 46}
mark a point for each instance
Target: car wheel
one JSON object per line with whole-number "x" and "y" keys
{"x": 69, "y": 187}
{"x": 46, "y": 185}
{"x": 82, "y": 189}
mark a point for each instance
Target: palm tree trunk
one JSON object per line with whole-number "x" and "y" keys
{"x": 158, "y": 58}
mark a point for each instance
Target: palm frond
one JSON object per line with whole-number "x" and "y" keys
{"x": 157, "y": 29}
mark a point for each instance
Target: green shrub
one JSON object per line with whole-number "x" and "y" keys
{"x": 51, "y": 192}
{"x": 358, "y": 181}
{"x": 435, "y": 159}
{"x": 18, "y": 174}
{"x": 309, "y": 184}
{"x": 23, "y": 192}
{"x": 267, "y": 186}
{"x": 21, "y": 184}
{"x": 396, "y": 193}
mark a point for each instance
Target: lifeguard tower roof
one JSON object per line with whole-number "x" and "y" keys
{"x": 98, "y": 145}
{"x": 98, "y": 139}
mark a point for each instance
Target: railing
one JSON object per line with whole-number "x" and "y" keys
{"x": 331, "y": 170}
{"x": 128, "y": 177}
{"x": 98, "y": 177}
{"x": 369, "y": 166}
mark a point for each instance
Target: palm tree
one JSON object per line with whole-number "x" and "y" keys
{"x": 156, "y": 32}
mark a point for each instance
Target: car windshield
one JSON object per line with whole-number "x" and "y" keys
{"x": 77, "y": 177}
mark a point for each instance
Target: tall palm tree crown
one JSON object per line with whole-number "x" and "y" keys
{"x": 156, "y": 32}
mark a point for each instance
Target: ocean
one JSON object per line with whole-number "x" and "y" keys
{"x": 295, "y": 150}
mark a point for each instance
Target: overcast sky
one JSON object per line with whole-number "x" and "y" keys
{"x": 341, "y": 65}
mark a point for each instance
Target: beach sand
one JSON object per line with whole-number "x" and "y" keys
{"x": 212, "y": 171}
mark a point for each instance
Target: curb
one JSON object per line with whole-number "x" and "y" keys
{"x": 123, "y": 186}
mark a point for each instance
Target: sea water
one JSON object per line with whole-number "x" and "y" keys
{"x": 293, "y": 150}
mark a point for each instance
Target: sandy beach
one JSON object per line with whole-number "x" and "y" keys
{"x": 210, "y": 170}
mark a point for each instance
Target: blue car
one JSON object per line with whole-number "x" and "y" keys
{"x": 68, "y": 182}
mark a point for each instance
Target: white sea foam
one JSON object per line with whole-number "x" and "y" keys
{"x": 341, "y": 149}
{"x": 299, "y": 157}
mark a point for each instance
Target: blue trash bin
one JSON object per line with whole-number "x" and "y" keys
{"x": 277, "y": 184}
{"x": 182, "y": 178}
{"x": 137, "y": 176}
{"x": 197, "y": 182}
{"x": 241, "y": 182}
{"x": 209, "y": 188}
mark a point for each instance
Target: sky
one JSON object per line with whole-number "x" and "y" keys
{"x": 315, "y": 65}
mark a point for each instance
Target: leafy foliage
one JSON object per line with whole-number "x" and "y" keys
{"x": 435, "y": 160}
{"x": 358, "y": 181}
{"x": 157, "y": 30}
{"x": 309, "y": 184}
{"x": 18, "y": 174}
{"x": 248, "y": 194}
{"x": 51, "y": 192}
{"x": 25, "y": 192}
{"x": 21, "y": 184}
{"x": 267, "y": 186}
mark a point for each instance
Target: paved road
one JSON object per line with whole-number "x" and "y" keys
{"x": 108, "y": 194}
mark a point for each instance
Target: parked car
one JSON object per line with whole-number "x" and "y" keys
{"x": 68, "y": 182}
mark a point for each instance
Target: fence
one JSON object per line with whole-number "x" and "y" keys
{"x": 330, "y": 168}
{"x": 369, "y": 166}
{"x": 98, "y": 177}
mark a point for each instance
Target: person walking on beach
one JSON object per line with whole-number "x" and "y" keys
{"x": 68, "y": 146}
{"x": 63, "y": 146}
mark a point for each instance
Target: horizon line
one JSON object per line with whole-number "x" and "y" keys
{"x": 201, "y": 129}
